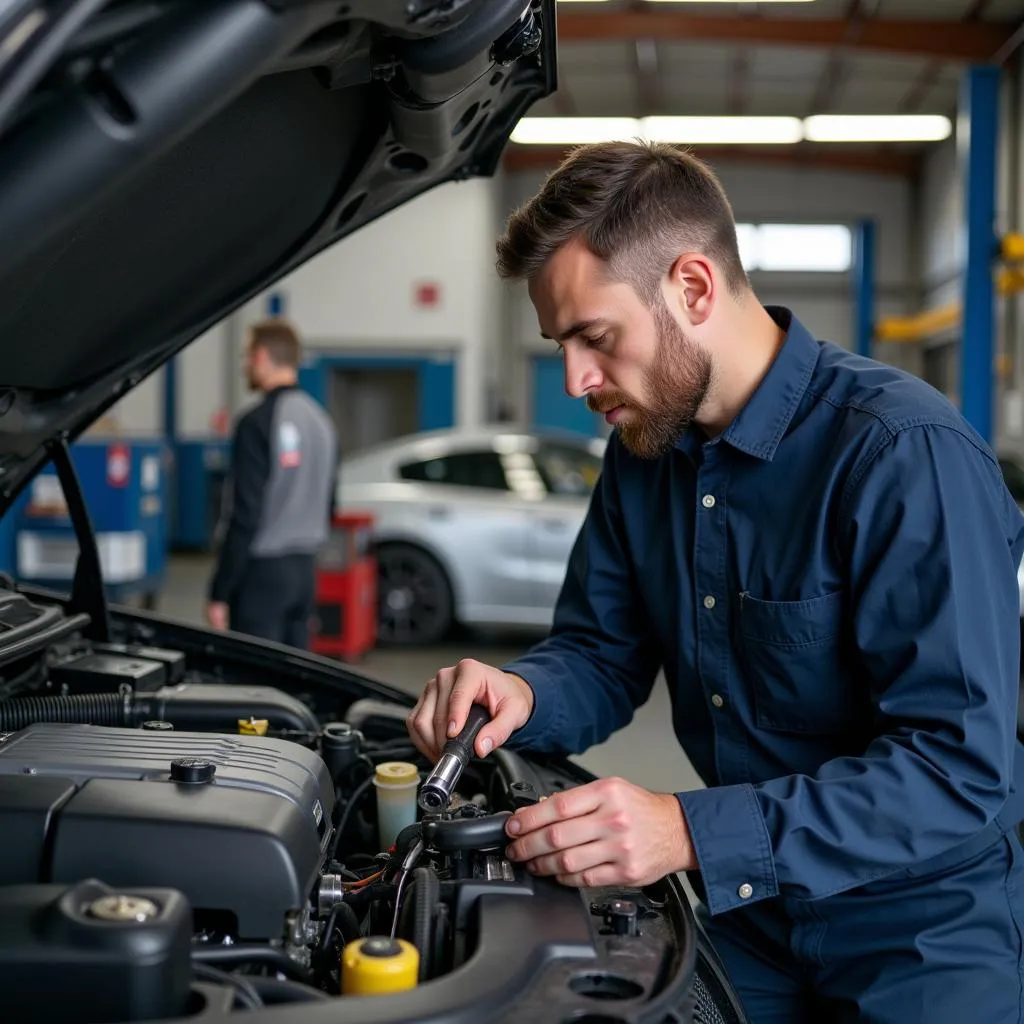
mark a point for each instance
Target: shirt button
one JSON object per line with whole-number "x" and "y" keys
{"x": 717, "y": 700}
{"x": 709, "y": 602}
{"x": 746, "y": 890}
{"x": 708, "y": 501}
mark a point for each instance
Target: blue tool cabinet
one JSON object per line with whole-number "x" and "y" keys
{"x": 124, "y": 482}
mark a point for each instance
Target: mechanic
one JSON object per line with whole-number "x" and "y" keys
{"x": 281, "y": 499}
{"x": 821, "y": 555}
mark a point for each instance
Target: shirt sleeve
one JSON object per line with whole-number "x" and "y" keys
{"x": 932, "y": 540}
{"x": 599, "y": 663}
{"x": 250, "y": 470}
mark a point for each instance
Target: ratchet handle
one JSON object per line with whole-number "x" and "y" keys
{"x": 436, "y": 791}
{"x": 461, "y": 746}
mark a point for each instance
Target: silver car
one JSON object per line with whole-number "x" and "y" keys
{"x": 471, "y": 525}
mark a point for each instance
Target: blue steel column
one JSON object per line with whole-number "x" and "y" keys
{"x": 977, "y": 133}
{"x": 864, "y": 286}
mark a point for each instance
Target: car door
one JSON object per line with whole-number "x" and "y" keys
{"x": 567, "y": 474}
{"x": 471, "y": 515}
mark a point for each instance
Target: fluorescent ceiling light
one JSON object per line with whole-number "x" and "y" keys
{"x": 569, "y": 131}
{"x": 573, "y": 131}
{"x": 723, "y": 130}
{"x": 877, "y": 128}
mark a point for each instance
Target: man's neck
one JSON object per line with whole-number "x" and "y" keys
{"x": 748, "y": 340}
{"x": 281, "y": 380}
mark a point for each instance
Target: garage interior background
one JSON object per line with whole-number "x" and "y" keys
{"x": 406, "y": 326}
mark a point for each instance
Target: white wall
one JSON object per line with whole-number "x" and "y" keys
{"x": 758, "y": 192}
{"x": 360, "y": 294}
{"x": 201, "y": 389}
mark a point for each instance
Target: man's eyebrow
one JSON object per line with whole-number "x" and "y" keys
{"x": 577, "y": 328}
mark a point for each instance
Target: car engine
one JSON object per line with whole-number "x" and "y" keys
{"x": 179, "y": 844}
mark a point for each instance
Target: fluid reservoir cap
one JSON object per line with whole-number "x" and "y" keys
{"x": 192, "y": 770}
{"x": 158, "y": 726}
{"x": 396, "y": 773}
{"x": 124, "y": 909}
{"x": 380, "y": 946}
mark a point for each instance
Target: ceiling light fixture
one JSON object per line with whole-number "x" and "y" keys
{"x": 720, "y": 1}
{"x": 568, "y": 131}
{"x": 573, "y": 131}
{"x": 877, "y": 128}
{"x": 724, "y": 131}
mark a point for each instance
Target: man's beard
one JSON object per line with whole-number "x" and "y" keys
{"x": 676, "y": 384}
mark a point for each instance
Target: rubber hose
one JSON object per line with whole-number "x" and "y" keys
{"x": 484, "y": 833}
{"x": 245, "y": 954}
{"x": 81, "y": 709}
{"x": 344, "y": 917}
{"x": 274, "y": 991}
{"x": 428, "y": 892}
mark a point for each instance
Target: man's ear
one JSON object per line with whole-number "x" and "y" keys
{"x": 692, "y": 287}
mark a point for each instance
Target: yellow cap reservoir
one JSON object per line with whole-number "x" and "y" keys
{"x": 379, "y": 965}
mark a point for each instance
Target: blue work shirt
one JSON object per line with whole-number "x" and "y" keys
{"x": 830, "y": 587}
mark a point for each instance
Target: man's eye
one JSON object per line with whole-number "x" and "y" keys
{"x": 596, "y": 342}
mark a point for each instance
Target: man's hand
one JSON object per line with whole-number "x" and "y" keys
{"x": 217, "y": 615}
{"x": 441, "y": 711}
{"x": 609, "y": 832}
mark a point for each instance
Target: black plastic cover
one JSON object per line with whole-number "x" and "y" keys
{"x": 28, "y": 804}
{"x": 61, "y": 964}
{"x": 250, "y": 854}
{"x": 250, "y": 843}
{"x": 215, "y": 707}
{"x": 106, "y": 673}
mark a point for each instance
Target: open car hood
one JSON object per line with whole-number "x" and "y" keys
{"x": 163, "y": 161}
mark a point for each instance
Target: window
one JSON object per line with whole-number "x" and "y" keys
{"x": 567, "y": 470}
{"x": 814, "y": 248}
{"x": 463, "y": 469}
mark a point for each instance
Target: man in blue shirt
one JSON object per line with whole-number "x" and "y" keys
{"x": 821, "y": 555}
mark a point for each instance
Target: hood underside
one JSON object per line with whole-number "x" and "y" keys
{"x": 163, "y": 162}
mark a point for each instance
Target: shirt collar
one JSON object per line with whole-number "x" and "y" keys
{"x": 763, "y": 421}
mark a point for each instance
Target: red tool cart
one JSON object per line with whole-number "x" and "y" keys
{"x": 345, "y": 625}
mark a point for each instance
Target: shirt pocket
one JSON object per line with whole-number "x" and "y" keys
{"x": 791, "y": 652}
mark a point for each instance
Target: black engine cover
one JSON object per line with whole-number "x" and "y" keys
{"x": 85, "y": 801}
{"x": 89, "y": 954}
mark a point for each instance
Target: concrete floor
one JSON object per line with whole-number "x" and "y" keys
{"x": 645, "y": 752}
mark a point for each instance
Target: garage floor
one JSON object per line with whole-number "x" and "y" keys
{"x": 645, "y": 752}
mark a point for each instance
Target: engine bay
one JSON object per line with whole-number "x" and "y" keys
{"x": 180, "y": 844}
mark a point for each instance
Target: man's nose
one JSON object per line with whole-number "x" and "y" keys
{"x": 581, "y": 371}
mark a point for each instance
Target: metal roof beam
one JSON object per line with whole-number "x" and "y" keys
{"x": 946, "y": 40}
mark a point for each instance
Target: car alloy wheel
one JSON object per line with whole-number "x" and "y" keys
{"x": 415, "y": 597}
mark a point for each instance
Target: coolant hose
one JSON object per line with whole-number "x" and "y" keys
{"x": 81, "y": 709}
{"x": 427, "y": 889}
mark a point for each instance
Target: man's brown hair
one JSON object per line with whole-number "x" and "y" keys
{"x": 636, "y": 205}
{"x": 279, "y": 341}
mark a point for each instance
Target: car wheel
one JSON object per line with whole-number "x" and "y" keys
{"x": 415, "y": 597}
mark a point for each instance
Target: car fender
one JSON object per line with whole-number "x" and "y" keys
{"x": 416, "y": 540}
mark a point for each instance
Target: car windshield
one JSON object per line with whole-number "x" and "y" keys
{"x": 567, "y": 469}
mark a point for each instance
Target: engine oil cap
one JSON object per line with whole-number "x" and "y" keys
{"x": 192, "y": 770}
{"x": 123, "y": 909}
